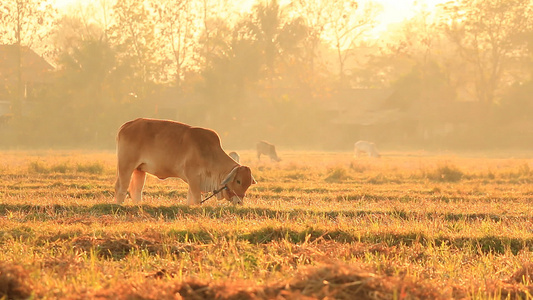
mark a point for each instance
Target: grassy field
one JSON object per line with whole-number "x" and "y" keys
{"x": 316, "y": 226}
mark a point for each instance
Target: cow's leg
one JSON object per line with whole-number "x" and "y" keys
{"x": 194, "y": 195}
{"x": 136, "y": 185}
{"x": 122, "y": 183}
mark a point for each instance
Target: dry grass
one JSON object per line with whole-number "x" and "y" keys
{"x": 317, "y": 226}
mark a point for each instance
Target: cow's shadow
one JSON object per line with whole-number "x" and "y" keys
{"x": 269, "y": 233}
{"x": 173, "y": 212}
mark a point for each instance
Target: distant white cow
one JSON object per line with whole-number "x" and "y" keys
{"x": 234, "y": 155}
{"x": 366, "y": 147}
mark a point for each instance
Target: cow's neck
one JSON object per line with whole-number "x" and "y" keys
{"x": 213, "y": 179}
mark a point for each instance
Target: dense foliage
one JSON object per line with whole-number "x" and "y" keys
{"x": 458, "y": 74}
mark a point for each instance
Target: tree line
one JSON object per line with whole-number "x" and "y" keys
{"x": 270, "y": 72}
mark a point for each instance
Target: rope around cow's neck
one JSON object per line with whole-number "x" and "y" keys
{"x": 214, "y": 193}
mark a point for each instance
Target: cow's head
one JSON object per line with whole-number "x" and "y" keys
{"x": 237, "y": 182}
{"x": 273, "y": 155}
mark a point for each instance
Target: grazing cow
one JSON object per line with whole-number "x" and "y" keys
{"x": 234, "y": 155}
{"x": 172, "y": 149}
{"x": 268, "y": 150}
{"x": 366, "y": 147}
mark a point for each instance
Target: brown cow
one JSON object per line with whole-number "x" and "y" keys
{"x": 267, "y": 149}
{"x": 172, "y": 149}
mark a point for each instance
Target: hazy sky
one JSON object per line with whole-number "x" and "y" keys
{"x": 394, "y": 10}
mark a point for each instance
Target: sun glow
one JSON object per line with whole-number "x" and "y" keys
{"x": 396, "y": 11}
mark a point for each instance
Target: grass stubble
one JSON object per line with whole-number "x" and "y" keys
{"x": 317, "y": 226}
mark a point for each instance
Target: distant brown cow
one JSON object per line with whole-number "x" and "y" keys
{"x": 172, "y": 149}
{"x": 267, "y": 149}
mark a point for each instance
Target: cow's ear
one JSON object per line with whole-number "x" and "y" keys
{"x": 230, "y": 176}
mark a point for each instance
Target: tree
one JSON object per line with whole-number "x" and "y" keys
{"x": 89, "y": 99}
{"x": 87, "y": 20}
{"x": 86, "y": 90}
{"x": 71, "y": 31}
{"x": 176, "y": 25}
{"x": 22, "y": 23}
{"x": 232, "y": 67}
{"x": 420, "y": 54}
{"x": 484, "y": 32}
{"x": 132, "y": 33}
{"x": 347, "y": 23}
{"x": 315, "y": 20}
{"x": 256, "y": 49}
{"x": 278, "y": 38}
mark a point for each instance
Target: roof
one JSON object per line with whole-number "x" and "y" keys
{"x": 34, "y": 67}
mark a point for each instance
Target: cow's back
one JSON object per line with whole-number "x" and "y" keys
{"x": 266, "y": 148}
{"x": 150, "y": 137}
{"x": 205, "y": 143}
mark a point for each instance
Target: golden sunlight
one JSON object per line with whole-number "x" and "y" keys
{"x": 395, "y": 11}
